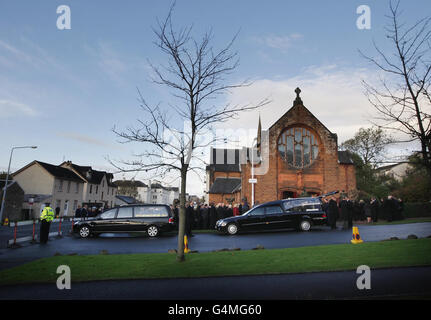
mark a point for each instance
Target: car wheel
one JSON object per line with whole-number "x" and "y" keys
{"x": 305, "y": 225}
{"x": 84, "y": 232}
{"x": 232, "y": 229}
{"x": 153, "y": 231}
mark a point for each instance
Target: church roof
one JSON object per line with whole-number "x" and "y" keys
{"x": 344, "y": 157}
{"x": 225, "y": 185}
{"x": 298, "y": 103}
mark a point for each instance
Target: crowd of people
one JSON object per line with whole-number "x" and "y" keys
{"x": 85, "y": 212}
{"x": 347, "y": 210}
{"x": 204, "y": 216}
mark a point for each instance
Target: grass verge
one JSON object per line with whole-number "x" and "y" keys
{"x": 252, "y": 262}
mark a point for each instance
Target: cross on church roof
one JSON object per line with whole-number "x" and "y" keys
{"x": 298, "y": 98}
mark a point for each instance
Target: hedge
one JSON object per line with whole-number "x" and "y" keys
{"x": 417, "y": 209}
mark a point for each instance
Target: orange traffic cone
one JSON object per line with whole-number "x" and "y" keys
{"x": 186, "y": 245}
{"x": 356, "y": 237}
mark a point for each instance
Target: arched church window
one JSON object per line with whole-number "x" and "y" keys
{"x": 298, "y": 147}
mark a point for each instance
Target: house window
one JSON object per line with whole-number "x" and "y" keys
{"x": 68, "y": 186}
{"x": 298, "y": 147}
{"x": 60, "y": 187}
{"x": 75, "y": 205}
{"x": 97, "y": 189}
{"x": 91, "y": 188}
{"x": 77, "y": 188}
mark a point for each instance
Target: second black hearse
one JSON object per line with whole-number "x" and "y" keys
{"x": 298, "y": 213}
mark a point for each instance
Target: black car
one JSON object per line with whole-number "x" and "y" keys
{"x": 152, "y": 219}
{"x": 299, "y": 213}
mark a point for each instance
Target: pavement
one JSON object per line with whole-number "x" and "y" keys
{"x": 398, "y": 283}
{"x": 122, "y": 243}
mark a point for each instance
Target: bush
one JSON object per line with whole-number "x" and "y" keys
{"x": 417, "y": 209}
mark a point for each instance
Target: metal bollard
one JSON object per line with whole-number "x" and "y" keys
{"x": 14, "y": 232}
{"x": 34, "y": 231}
{"x": 59, "y": 228}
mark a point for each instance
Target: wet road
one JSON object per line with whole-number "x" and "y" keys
{"x": 385, "y": 283}
{"x": 121, "y": 243}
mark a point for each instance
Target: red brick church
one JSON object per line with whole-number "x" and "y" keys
{"x": 297, "y": 154}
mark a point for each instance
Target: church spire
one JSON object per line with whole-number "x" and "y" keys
{"x": 259, "y": 133}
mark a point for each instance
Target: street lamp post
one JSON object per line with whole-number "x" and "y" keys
{"x": 7, "y": 178}
{"x": 252, "y": 173}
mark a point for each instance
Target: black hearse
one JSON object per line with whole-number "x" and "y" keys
{"x": 298, "y": 213}
{"x": 150, "y": 218}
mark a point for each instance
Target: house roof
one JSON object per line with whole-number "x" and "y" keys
{"x": 129, "y": 183}
{"x": 91, "y": 175}
{"x": 58, "y": 172}
{"x": 389, "y": 167}
{"x": 344, "y": 157}
{"x": 225, "y": 185}
{"x": 10, "y": 184}
{"x": 127, "y": 199}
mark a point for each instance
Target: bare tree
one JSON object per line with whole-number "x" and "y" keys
{"x": 196, "y": 74}
{"x": 402, "y": 99}
{"x": 369, "y": 144}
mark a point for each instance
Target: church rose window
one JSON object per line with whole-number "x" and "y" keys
{"x": 298, "y": 147}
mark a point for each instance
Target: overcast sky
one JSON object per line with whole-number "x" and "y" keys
{"x": 64, "y": 90}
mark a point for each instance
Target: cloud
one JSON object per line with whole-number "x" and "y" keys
{"x": 87, "y": 139}
{"x": 283, "y": 42}
{"x": 334, "y": 95}
{"x": 10, "y": 109}
{"x": 110, "y": 62}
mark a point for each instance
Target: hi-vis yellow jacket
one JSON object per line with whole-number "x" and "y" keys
{"x": 47, "y": 214}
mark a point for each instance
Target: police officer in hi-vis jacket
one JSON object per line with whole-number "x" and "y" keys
{"x": 46, "y": 217}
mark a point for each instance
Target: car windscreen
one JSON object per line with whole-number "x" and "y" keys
{"x": 306, "y": 205}
{"x": 259, "y": 211}
{"x": 151, "y": 211}
{"x": 110, "y": 214}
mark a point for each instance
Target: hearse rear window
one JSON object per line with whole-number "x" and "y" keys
{"x": 148, "y": 211}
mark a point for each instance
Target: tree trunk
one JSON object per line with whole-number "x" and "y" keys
{"x": 182, "y": 215}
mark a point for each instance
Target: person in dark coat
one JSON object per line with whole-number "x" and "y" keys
{"x": 325, "y": 204}
{"x": 240, "y": 209}
{"x": 367, "y": 210}
{"x": 375, "y": 208}
{"x": 332, "y": 213}
{"x": 220, "y": 211}
{"x": 189, "y": 220}
{"x": 84, "y": 212}
{"x": 229, "y": 211}
{"x": 400, "y": 208}
{"x": 390, "y": 207}
{"x": 205, "y": 217}
{"x": 346, "y": 207}
{"x": 245, "y": 207}
{"x": 198, "y": 218}
{"x": 176, "y": 216}
{"x": 212, "y": 216}
{"x": 78, "y": 212}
